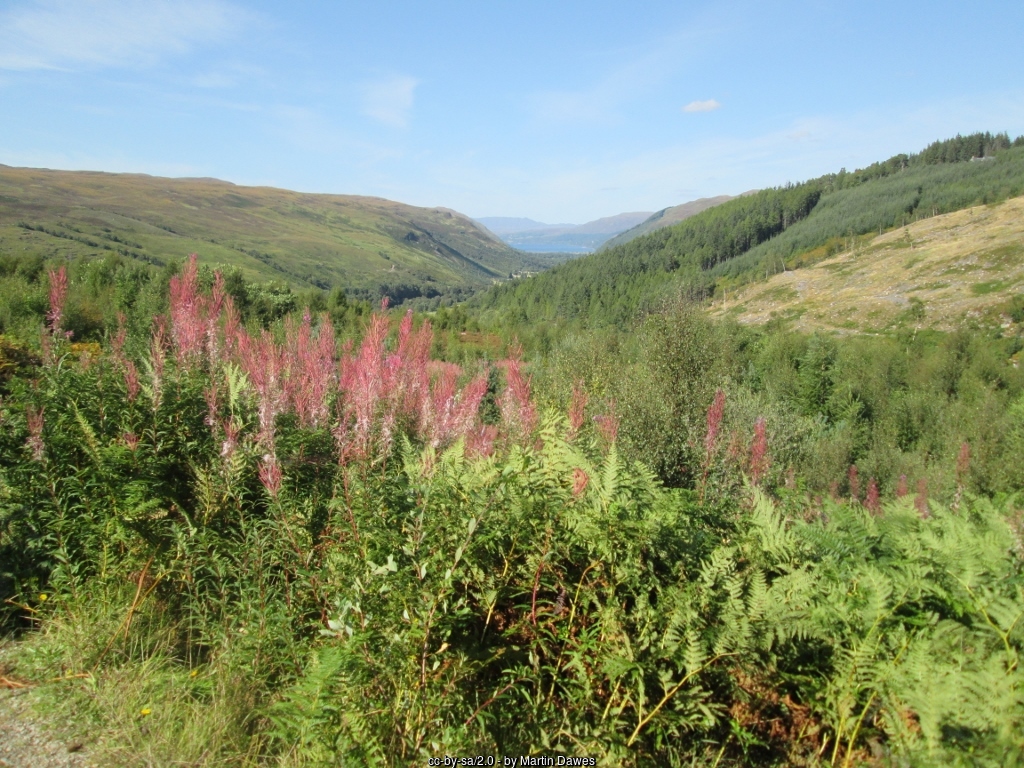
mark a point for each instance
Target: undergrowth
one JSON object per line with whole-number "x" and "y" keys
{"x": 257, "y": 550}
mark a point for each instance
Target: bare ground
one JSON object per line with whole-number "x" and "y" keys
{"x": 934, "y": 273}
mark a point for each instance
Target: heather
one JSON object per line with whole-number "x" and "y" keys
{"x": 228, "y": 539}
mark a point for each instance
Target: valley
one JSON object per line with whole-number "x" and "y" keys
{"x": 370, "y": 246}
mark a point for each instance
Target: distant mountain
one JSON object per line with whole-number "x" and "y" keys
{"x": 537, "y": 237}
{"x": 367, "y": 245}
{"x": 507, "y": 225}
{"x": 666, "y": 217}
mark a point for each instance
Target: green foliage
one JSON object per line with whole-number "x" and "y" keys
{"x": 759, "y": 235}
{"x": 651, "y": 581}
{"x": 609, "y": 287}
{"x": 371, "y": 247}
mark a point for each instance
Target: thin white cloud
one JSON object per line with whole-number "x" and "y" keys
{"x": 710, "y": 105}
{"x": 561, "y": 188}
{"x": 74, "y": 34}
{"x": 389, "y": 100}
{"x": 637, "y": 71}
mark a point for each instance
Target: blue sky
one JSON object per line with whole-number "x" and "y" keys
{"x": 559, "y": 111}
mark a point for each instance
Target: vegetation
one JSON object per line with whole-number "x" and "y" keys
{"x": 758, "y": 235}
{"x": 368, "y": 246}
{"x": 942, "y": 272}
{"x": 246, "y": 524}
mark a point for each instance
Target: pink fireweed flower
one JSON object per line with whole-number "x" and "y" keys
{"x": 577, "y": 409}
{"x": 34, "y": 418}
{"x": 921, "y": 500}
{"x": 308, "y": 369}
{"x": 231, "y": 430}
{"x": 608, "y": 424}
{"x": 131, "y": 381}
{"x": 188, "y": 316}
{"x": 262, "y": 361}
{"x": 270, "y": 474}
{"x": 759, "y": 460}
{"x": 873, "y": 500}
{"x": 715, "y": 413}
{"x": 902, "y": 489}
{"x": 480, "y": 441}
{"x": 518, "y": 414}
{"x": 58, "y": 296}
{"x": 580, "y": 480}
{"x": 854, "y": 483}
{"x": 212, "y": 405}
{"x": 131, "y": 440}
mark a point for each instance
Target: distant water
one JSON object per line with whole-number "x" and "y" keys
{"x": 529, "y": 247}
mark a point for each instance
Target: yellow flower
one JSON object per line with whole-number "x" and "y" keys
{"x": 42, "y": 597}
{"x": 145, "y": 711}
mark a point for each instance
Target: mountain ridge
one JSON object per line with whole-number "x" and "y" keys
{"x": 370, "y": 246}
{"x": 535, "y": 236}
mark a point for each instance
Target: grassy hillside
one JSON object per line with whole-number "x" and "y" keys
{"x": 666, "y": 217}
{"x": 370, "y": 246}
{"x": 754, "y": 236}
{"x": 934, "y": 273}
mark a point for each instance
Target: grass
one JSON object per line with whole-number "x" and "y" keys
{"x": 270, "y": 234}
{"x": 965, "y": 264}
{"x": 124, "y": 692}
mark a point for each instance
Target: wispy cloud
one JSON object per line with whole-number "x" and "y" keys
{"x": 564, "y": 188}
{"x": 389, "y": 100}
{"x": 709, "y": 105}
{"x": 73, "y": 34}
{"x": 638, "y": 71}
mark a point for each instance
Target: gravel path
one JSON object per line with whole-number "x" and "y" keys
{"x": 26, "y": 743}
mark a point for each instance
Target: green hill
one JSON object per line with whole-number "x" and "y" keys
{"x": 666, "y": 217}
{"x": 764, "y": 233}
{"x": 369, "y": 246}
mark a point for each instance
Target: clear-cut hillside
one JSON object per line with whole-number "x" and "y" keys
{"x": 936, "y": 273}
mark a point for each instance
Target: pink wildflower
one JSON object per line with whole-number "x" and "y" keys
{"x": 577, "y": 409}
{"x": 759, "y": 460}
{"x": 131, "y": 440}
{"x": 854, "y": 482}
{"x": 873, "y": 500}
{"x": 608, "y": 424}
{"x": 480, "y": 441}
{"x": 580, "y": 480}
{"x": 131, "y": 381}
{"x": 270, "y": 474}
{"x": 715, "y": 413}
{"x": 902, "y": 489}
{"x": 517, "y": 412}
{"x": 188, "y": 316}
{"x": 35, "y": 444}
{"x": 921, "y": 500}
{"x": 58, "y": 296}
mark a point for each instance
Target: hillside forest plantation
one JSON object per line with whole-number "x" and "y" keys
{"x": 356, "y": 483}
